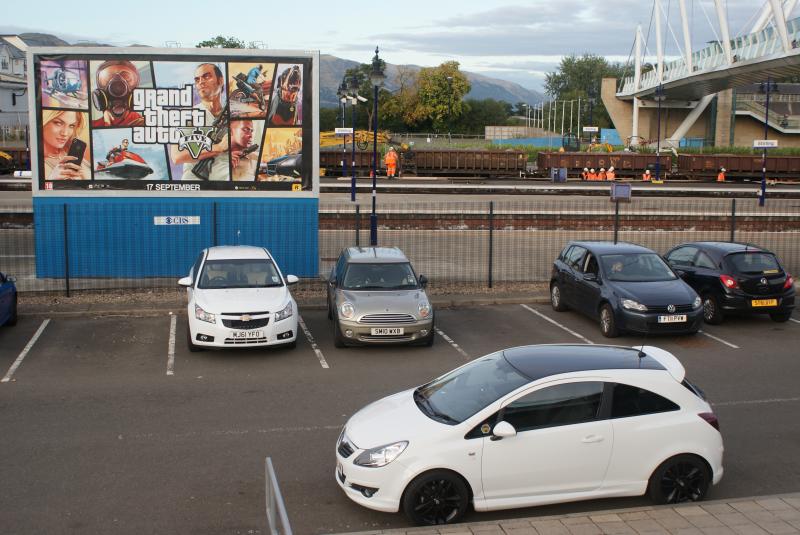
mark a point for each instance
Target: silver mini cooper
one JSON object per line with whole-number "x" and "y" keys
{"x": 374, "y": 296}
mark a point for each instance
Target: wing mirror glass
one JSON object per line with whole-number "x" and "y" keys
{"x": 503, "y": 430}
{"x": 590, "y": 277}
{"x": 186, "y": 281}
{"x": 423, "y": 281}
{"x": 11, "y": 279}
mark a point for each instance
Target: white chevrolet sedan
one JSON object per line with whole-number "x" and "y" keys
{"x": 534, "y": 425}
{"x": 238, "y": 297}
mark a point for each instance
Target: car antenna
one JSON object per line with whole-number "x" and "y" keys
{"x": 641, "y": 353}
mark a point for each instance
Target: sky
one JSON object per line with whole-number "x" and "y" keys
{"x": 519, "y": 41}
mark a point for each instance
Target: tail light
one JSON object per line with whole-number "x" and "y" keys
{"x": 729, "y": 282}
{"x": 789, "y": 282}
{"x": 711, "y": 418}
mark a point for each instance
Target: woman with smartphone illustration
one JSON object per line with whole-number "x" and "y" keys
{"x": 64, "y": 136}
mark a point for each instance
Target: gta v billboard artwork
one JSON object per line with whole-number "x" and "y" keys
{"x": 173, "y": 123}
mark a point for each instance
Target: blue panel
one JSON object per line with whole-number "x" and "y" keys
{"x": 118, "y": 237}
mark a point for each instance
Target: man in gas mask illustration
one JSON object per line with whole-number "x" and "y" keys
{"x": 116, "y": 80}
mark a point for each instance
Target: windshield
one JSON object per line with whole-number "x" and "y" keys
{"x": 381, "y": 276}
{"x": 749, "y": 263}
{"x": 457, "y": 395}
{"x": 636, "y": 267}
{"x": 245, "y": 273}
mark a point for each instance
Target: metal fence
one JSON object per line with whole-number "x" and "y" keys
{"x": 480, "y": 243}
{"x": 277, "y": 519}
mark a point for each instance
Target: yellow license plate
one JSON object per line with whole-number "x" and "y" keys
{"x": 764, "y": 302}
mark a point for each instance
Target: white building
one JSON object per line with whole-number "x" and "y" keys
{"x": 13, "y": 91}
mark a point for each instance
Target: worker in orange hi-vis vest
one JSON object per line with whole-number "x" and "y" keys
{"x": 602, "y": 174}
{"x": 721, "y": 175}
{"x": 610, "y": 174}
{"x": 592, "y": 174}
{"x": 646, "y": 176}
{"x": 391, "y": 162}
{"x": 585, "y": 174}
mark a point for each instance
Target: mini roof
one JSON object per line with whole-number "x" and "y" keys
{"x": 541, "y": 361}
{"x": 375, "y": 254}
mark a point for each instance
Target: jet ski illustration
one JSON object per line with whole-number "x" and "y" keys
{"x": 123, "y": 164}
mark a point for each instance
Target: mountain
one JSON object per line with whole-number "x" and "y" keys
{"x": 332, "y": 69}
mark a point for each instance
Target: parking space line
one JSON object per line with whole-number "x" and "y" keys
{"x": 22, "y": 355}
{"x": 554, "y": 322}
{"x": 794, "y": 320}
{"x": 754, "y": 402}
{"x": 314, "y": 346}
{"x": 452, "y": 343}
{"x": 720, "y": 340}
{"x": 171, "y": 347}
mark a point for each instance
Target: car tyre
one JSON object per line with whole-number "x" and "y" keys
{"x": 330, "y": 311}
{"x": 712, "y": 314}
{"x": 436, "y": 497}
{"x": 194, "y": 348}
{"x": 679, "y": 479}
{"x": 338, "y": 339}
{"x": 779, "y": 317}
{"x": 608, "y": 322}
{"x": 557, "y": 298}
{"x": 12, "y": 319}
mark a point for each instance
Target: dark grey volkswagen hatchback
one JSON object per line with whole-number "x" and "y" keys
{"x": 626, "y": 287}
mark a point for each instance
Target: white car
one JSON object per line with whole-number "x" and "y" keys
{"x": 534, "y": 425}
{"x": 238, "y": 297}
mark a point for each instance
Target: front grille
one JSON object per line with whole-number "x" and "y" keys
{"x": 384, "y": 319}
{"x": 244, "y": 341}
{"x": 663, "y": 309}
{"x": 245, "y": 325}
{"x": 382, "y": 338}
{"x": 345, "y": 449}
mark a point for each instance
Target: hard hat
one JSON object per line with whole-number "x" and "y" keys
{"x": 602, "y": 169}
{"x": 611, "y": 168}
{"x": 586, "y": 169}
{"x": 722, "y": 169}
{"x": 647, "y": 172}
{"x": 591, "y": 170}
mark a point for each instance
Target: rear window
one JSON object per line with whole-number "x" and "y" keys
{"x": 754, "y": 262}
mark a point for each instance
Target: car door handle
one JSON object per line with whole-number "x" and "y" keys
{"x": 590, "y": 439}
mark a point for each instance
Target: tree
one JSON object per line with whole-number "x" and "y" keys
{"x": 225, "y": 42}
{"x": 441, "y": 92}
{"x": 480, "y": 113}
{"x": 576, "y": 77}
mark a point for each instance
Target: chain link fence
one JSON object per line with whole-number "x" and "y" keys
{"x": 482, "y": 244}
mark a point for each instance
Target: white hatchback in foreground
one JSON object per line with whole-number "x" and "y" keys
{"x": 534, "y": 425}
{"x": 238, "y": 297}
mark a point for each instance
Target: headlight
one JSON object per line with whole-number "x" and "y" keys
{"x": 202, "y": 315}
{"x": 285, "y": 313}
{"x": 630, "y": 304}
{"x": 424, "y": 309}
{"x": 697, "y": 302}
{"x": 347, "y": 310}
{"x": 382, "y": 455}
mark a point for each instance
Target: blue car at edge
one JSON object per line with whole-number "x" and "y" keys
{"x": 626, "y": 287}
{"x": 8, "y": 300}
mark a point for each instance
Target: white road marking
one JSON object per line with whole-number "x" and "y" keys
{"x": 22, "y": 355}
{"x": 794, "y": 320}
{"x": 452, "y": 343}
{"x": 754, "y": 402}
{"x": 234, "y": 432}
{"x": 314, "y": 346}
{"x": 554, "y": 322}
{"x": 171, "y": 347}
{"x": 720, "y": 340}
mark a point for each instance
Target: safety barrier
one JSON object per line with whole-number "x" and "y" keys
{"x": 277, "y": 519}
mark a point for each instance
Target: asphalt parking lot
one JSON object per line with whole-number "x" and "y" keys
{"x": 106, "y": 429}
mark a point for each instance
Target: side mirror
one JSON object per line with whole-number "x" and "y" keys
{"x": 186, "y": 281}
{"x": 423, "y": 281}
{"x": 590, "y": 277}
{"x": 679, "y": 272}
{"x": 292, "y": 279}
{"x": 503, "y": 430}
{"x": 11, "y": 279}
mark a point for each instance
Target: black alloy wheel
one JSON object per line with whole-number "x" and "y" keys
{"x": 608, "y": 322}
{"x": 712, "y": 314}
{"x": 556, "y": 298}
{"x": 683, "y": 478}
{"x": 435, "y": 498}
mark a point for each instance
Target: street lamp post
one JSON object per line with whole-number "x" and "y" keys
{"x": 341, "y": 92}
{"x": 659, "y": 97}
{"x": 353, "y": 96}
{"x": 592, "y": 99}
{"x": 449, "y": 108}
{"x": 770, "y": 86}
{"x": 377, "y": 78}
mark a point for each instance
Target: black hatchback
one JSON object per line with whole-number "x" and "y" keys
{"x": 626, "y": 286}
{"x": 735, "y": 278}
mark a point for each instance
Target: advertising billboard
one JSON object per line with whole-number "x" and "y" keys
{"x": 160, "y": 121}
